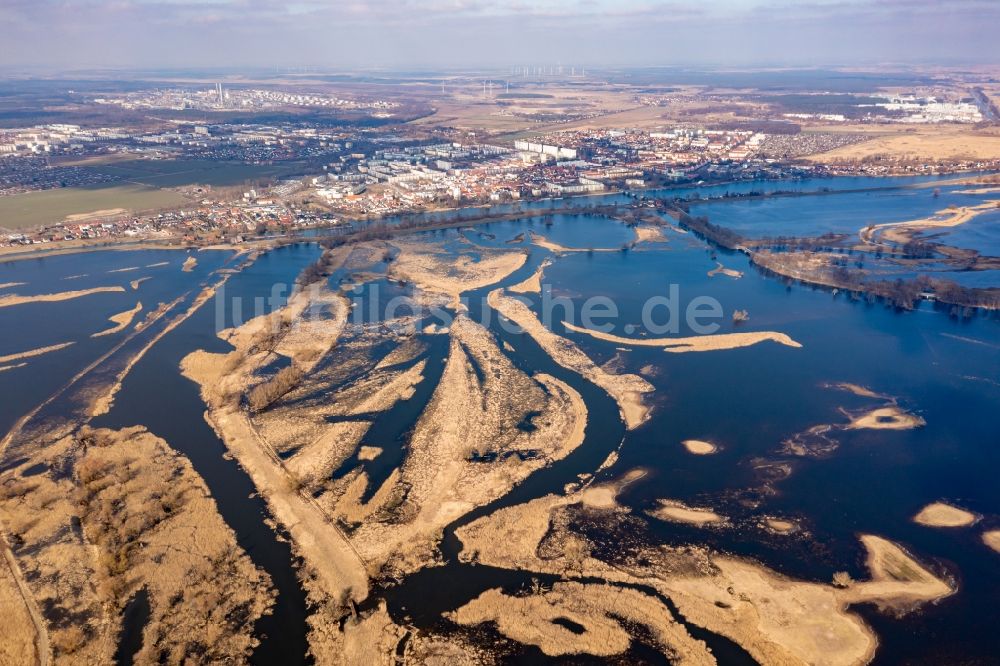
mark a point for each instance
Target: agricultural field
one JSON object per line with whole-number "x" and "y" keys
{"x": 177, "y": 173}
{"x": 31, "y": 209}
{"x": 144, "y": 186}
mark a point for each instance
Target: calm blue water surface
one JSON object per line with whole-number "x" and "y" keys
{"x": 746, "y": 400}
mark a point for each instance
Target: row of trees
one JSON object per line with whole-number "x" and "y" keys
{"x": 715, "y": 233}
{"x": 268, "y": 392}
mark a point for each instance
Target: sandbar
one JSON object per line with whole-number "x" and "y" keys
{"x": 678, "y": 512}
{"x": 700, "y": 447}
{"x": 780, "y": 525}
{"x": 649, "y": 234}
{"x": 436, "y": 271}
{"x": 541, "y": 241}
{"x": 15, "y": 299}
{"x": 697, "y": 343}
{"x": 31, "y": 353}
{"x": 189, "y": 264}
{"x": 532, "y": 285}
{"x": 121, "y": 321}
{"x": 778, "y": 620}
{"x": 369, "y": 452}
{"x": 857, "y": 389}
{"x": 949, "y": 217}
{"x": 577, "y": 618}
{"x": 939, "y": 514}
{"x": 885, "y": 418}
{"x": 627, "y": 389}
{"x": 722, "y": 270}
{"x": 992, "y": 539}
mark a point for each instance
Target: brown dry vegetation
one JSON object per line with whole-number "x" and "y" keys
{"x": 699, "y": 343}
{"x": 699, "y": 447}
{"x": 776, "y": 619}
{"x": 603, "y": 615}
{"x": 939, "y": 514}
{"x": 678, "y": 512}
{"x": 820, "y": 439}
{"x": 88, "y": 540}
{"x": 31, "y": 353}
{"x": 155, "y": 526}
{"x": 466, "y": 448}
{"x": 20, "y": 641}
{"x": 627, "y": 390}
{"x": 992, "y": 539}
{"x": 120, "y": 321}
{"x": 9, "y": 300}
{"x": 263, "y": 395}
{"x": 933, "y": 143}
{"x": 435, "y": 270}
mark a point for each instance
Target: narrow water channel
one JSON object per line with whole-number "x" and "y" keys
{"x": 158, "y": 397}
{"x": 424, "y": 596}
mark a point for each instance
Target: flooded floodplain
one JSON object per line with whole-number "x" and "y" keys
{"x": 400, "y": 468}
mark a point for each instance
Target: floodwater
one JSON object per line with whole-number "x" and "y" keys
{"x": 747, "y": 401}
{"x": 837, "y": 212}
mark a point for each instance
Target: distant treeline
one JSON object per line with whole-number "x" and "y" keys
{"x": 700, "y": 225}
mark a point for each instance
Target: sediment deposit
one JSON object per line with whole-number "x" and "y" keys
{"x": 627, "y": 390}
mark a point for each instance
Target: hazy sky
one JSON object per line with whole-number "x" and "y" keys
{"x": 470, "y": 33}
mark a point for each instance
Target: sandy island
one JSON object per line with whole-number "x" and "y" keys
{"x": 466, "y": 449}
{"x": 437, "y": 271}
{"x": 369, "y": 452}
{"x": 696, "y": 343}
{"x": 34, "y": 352}
{"x": 577, "y": 618}
{"x": 121, "y": 321}
{"x": 780, "y": 525}
{"x": 949, "y": 217}
{"x": 778, "y": 620}
{"x": 700, "y": 447}
{"x": 885, "y": 418}
{"x": 532, "y": 285}
{"x": 140, "y": 518}
{"x": 649, "y": 234}
{"x": 627, "y": 390}
{"x": 722, "y": 270}
{"x": 541, "y": 241}
{"x": 336, "y": 568}
{"x": 992, "y": 539}
{"x": 939, "y": 514}
{"x": 858, "y": 390}
{"x": 189, "y": 264}
{"x": 15, "y": 299}
{"x": 8, "y": 285}
{"x": 678, "y": 512}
